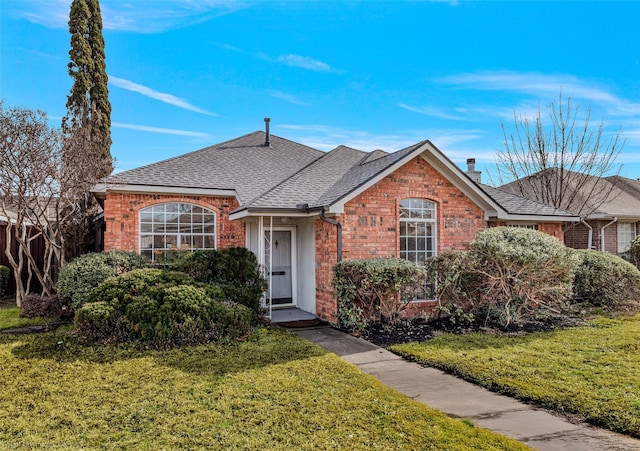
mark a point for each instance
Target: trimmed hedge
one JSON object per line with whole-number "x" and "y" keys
{"x": 4, "y": 279}
{"x": 235, "y": 270}
{"x": 86, "y": 272}
{"x": 375, "y": 289}
{"x": 508, "y": 275}
{"x": 634, "y": 251}
{"x": 606, "y": 280}
{"x": 36, "y": 306}
{"x": 160, "y": 309}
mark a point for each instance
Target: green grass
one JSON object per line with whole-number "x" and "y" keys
{"x": 591, "y": 371}
{"x": 272, "y": 391}
{"x": 10, "y": 318}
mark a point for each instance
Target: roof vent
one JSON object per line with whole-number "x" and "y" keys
{"x": 267, "y": 141}
{"x": 474, "y": 175}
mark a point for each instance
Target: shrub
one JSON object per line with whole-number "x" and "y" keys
{"x": 159, "y": 308}
{"x": 4, "y": 279}
{"x": 606, "y": 280}
{"x": 375, "y": 289}
{"x": 35, "y": 306}
{"x": 509, "y": 274}
{"x": 86, "y": 272}
{"x": 235, "y": 270}
{"x": 458, "y": 286}
{"x": 523, "y": 273}
{"x": 634, "y": 251}
{"x": 96, "y": 321}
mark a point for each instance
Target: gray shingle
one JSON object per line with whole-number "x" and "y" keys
{"x": 518, "y": 205}
{"x": 243, "y": 164}
{"x": 312, "y": 182}
{"x": 360, "y": 174}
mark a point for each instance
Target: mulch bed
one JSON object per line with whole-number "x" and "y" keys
{"x": 421, "y": 329}
{"x": 33, "y": 329}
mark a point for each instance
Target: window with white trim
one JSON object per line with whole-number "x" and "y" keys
{"x": 175, "y": 226}
{"x": 626, "y": 234}
{"x": 417, "y": 229}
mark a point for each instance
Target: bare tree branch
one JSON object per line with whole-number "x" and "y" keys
{"x": 563, "y": 162}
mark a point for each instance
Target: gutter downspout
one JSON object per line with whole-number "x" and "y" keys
{"x": 306, "y": 209}
{"x": 339, "y": 232}
{"x": 615, "y": 219}
{"x": 590, "y": 239}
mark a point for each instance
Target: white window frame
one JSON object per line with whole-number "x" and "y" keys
{"x": 625, "y": 236}
{"x": 418, "y": 212}
{"x": 154, "y": 228}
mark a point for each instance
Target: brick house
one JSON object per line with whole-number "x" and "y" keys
{"x": 300, "y": 210}
{"x": 609, "y": 208}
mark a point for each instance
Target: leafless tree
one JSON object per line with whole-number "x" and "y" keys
{"x": 38, "y": 195}
{"x": 563, "y": 162}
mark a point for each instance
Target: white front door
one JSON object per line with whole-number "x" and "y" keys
{"x": 280, "y": 264}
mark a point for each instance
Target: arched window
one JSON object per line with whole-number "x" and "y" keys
{"x": 174, "y": 226}
{"x": 418, "y": 237}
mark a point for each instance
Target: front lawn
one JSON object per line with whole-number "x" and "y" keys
{"x": 591, "y": 371}
{"x": 10, "y": 319}
{"x": 273, "y": 391}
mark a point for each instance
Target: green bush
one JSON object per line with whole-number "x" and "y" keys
{"x": 159, "y": 309}
{"x": 375, "y": 289}
{"x": 458, "y": 286}
{"x": 86, "y": 272}
{"x": 235, "y": 270}
{"x": 606, "y": 280}
{"x": 96, "y": 322}
{"x": 634, "y": 251}
{"x": 524, "y": 273}
{"x": 508, "y": 275}
{"x": 4, "y": 279}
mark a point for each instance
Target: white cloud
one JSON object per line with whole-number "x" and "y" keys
{"x": 431, "y": 111}
{"x": 327, "y": 137}
{"x": 156, "y": 95}
{"x": 142, "y": 16}
{"x": 547, "y": 86}
{"x": 166, "y": 131}
{"x": 288, "y": 98}
{"x": 304, "y": 62}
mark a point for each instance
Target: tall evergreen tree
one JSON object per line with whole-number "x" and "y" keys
{"x": 87, "y": 125}
{"x": 88, "y": 107}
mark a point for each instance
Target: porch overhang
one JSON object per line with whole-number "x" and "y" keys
{"x": 275, "y": 212}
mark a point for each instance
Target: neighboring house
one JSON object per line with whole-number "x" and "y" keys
{"x": 609, "y": 209}
{"x": 301, "y": 210}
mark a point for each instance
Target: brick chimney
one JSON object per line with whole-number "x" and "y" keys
{"x": 474, "y": 175}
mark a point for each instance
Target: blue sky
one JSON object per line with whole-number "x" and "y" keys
{"x": 186, "y": 74}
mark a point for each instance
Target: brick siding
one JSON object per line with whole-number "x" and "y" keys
{"x": 370, "y": 225}
{"x": 121, "y": 218}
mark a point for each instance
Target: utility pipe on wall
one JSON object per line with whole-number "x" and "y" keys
{"x": 339, "y": 231}
{"x": 306, "y": 209}
{"x": 615, "y": 219}
{"x": 590, "y": 236}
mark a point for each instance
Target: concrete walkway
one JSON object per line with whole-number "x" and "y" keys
{"x": 457, "y": 398}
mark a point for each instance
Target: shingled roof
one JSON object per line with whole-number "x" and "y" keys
{"x": 243, "y": 164}
{"x": 519, "y": 205}
{"x": 285, "y": 175}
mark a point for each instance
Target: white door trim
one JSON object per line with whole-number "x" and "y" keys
{"x": 294, "y": 261}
